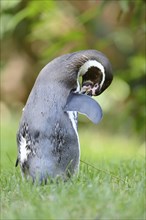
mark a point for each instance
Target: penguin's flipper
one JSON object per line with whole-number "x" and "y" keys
{"x": 84, "y": 104}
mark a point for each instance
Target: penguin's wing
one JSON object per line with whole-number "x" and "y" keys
{"x": 84, "y": 104}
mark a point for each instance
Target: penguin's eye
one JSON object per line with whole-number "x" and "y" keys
{"x": 96, "y": 85}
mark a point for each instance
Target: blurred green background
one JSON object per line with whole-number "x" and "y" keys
{"x": 33, "y": 32}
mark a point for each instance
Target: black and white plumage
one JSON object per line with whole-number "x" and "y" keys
{"x": 48, "y": 143}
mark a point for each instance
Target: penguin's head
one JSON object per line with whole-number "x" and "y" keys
{"x": 95, "y": 78}
{"x": 95, "y": 70}
{"x": 89, "y": 69}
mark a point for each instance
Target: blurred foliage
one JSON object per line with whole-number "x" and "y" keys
{"x": 33, "y": 32}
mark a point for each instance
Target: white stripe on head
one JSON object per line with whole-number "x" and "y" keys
{"x": 78, "y": 86}
{"x": 92, "y": 63}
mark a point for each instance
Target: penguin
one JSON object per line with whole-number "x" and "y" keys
{"x": 47, "y": 138}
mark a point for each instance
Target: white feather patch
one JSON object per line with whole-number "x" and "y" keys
{"x": 90, "y": 63}
{"x": 23, "y": 150}
{"x": 72, "y": 116}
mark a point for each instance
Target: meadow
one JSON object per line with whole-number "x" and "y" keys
{"x": 110, "y": 183}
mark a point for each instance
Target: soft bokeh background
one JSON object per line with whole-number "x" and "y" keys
{"x": 33, "y": 32}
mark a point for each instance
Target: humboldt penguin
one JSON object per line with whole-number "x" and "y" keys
{"x": 47, "y": 138}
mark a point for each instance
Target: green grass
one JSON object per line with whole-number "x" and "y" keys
{"x": 114, "y": 189}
